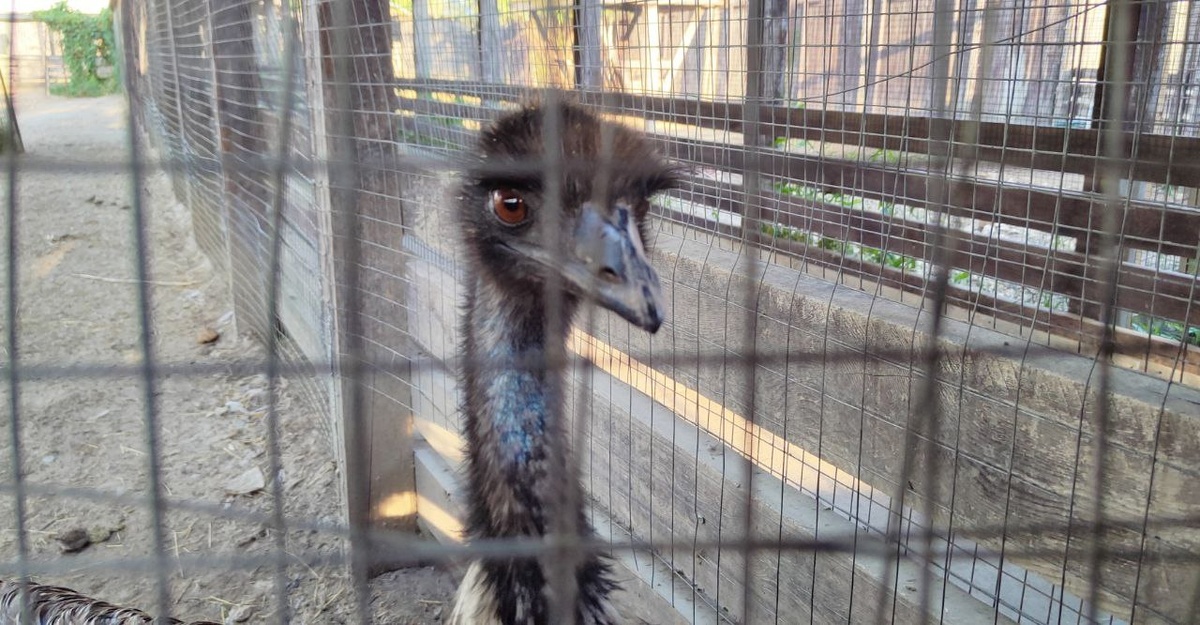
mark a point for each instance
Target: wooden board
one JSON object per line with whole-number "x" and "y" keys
{"x": 1144, "y": 156}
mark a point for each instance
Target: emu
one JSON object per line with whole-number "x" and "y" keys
{"x": 515, "y": 451}
{"x": 55, "y": 605}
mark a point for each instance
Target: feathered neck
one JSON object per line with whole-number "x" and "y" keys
{"x": 509, "y": 395}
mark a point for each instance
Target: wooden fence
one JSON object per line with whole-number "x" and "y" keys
{"x": 855, "y": 173}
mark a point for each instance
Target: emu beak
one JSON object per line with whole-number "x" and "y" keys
{"x": 610, "y": 265}
{"x": 607, "y": 263}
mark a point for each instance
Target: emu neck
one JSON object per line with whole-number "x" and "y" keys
{"x": 509, "y": 397}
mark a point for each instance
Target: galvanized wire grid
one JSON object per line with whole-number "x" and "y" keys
{"x": 970, "y": 163}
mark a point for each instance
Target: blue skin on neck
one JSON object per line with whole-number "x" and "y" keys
{"x": 515, "y": 393}
{"x": 518, "y": 410}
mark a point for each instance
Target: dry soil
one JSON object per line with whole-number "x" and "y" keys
{"x": 82, "y": 431}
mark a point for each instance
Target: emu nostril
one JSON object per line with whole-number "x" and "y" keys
{"x": 609, "y": 275}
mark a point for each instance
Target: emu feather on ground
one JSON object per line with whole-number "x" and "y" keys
{"x": 519, "y": 239}
{"x": 53, "y": 605}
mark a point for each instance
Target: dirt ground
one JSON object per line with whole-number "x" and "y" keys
{"x": 78, "y": 306}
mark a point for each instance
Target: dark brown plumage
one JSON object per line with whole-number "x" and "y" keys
{"x": 54, "y": 605}
{"x": 596, "y": 251}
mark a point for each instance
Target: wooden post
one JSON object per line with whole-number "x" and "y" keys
{"x": 491, "y": 49}
{"x": 422, "y": 38}
{"x": 653, "y": 65}
{"x": 711, "y": 62}
{"x": 242, "y": 149}
{"x": 876, "y": 22}
{"x": 775, "y": 53}
{"x": 372, "y": 402}
{"x": 852, "y": 54}
{"x": 589, "y": 61}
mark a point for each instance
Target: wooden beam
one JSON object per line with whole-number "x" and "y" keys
{"x": 1145, "y": 225}
{"x": 1148, "y": 157}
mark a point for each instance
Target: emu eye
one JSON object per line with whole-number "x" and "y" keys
{"x": 509, "y": 206}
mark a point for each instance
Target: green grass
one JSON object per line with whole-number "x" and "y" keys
{"x": 86, "y": 88}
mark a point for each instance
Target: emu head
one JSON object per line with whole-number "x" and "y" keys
{"x": 592, "y": 237}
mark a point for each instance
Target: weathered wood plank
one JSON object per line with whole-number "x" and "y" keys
{"x": 1149, "y": 157}
{"x": 1139, "y": 289}
{"x": 1034, "y": 392}
{"x": 1143, "y": 225}
{"x": 862, "y": 274}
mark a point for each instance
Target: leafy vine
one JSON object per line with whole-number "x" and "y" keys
{"x": 89, "y": 50}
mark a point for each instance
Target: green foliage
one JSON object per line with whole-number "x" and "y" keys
{"x": 1166, "y": 329}
{"x": 889, "y": 259}
{"x": 890, "y": 157}
{"x": 89, "y": 49}
{"x": 816, "y": 195}
{"x": 785, "y": 143}
{"x": 869, "y": 254}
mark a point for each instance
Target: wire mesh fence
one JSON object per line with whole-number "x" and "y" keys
{"x": 930, "y": 349}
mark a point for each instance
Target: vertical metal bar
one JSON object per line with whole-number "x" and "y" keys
{"x": 1120, "y": 42}
{"x": 278, "y": 182}
{"x": 584, "y": 371}
{"x": 146, "y": 341}
{"x": 986, "y": 56}
{"x": 564, "y": 555}
{"x": 490, "y": 45}
{"x": 755, "y": 97}
{"x": 13, "y": 360}
{"x": 925, "y": 412}
{"x": 947, "y": 242}
{"x": 344, "y": 177}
